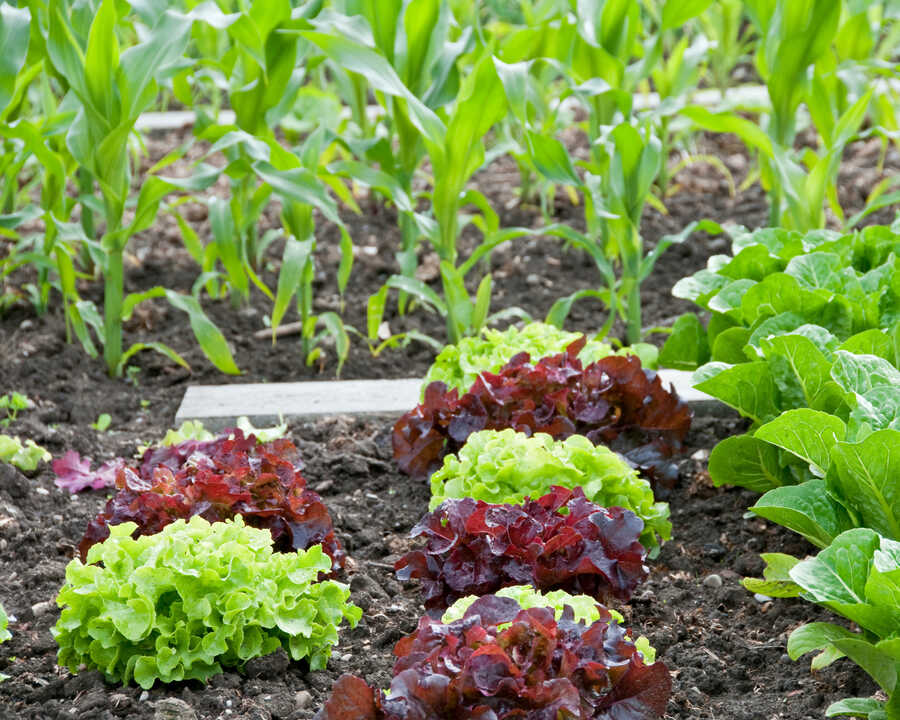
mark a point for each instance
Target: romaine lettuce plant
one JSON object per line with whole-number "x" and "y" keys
{"x": 851, "y": 483}
{"x": 219, "y": 479}
{"x": 800, "y": 381}
{"x": 560, "y": 541}
{"x": 857, "y": 576}
{"x": 508, "y": 466}
{"x": 500, "y": 660}
{"x": 613, "y": 401}
{"x": 194, "y": 598}
{"x": 778, "y": 280}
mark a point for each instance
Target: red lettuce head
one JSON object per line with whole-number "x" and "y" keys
{"x": 613, "y": 401}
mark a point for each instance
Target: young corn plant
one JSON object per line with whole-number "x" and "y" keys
{"x": 110, "y": 89}
{"x": 798, "y": 58}
{"x": 262, "y": 77}
{"x": 420, "y": 43}
{"x": 36, "y": 143}
{"x": 456, "y": 151}
{"x": 730, "y": 40}
{"x": 615, "y": 184}
{"x": 454, "y": 160}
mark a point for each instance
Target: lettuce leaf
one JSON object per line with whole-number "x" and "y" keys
{"x": 560, "y": 541}
{"x": 196, "y": 597}
{"x": 502, "y": 660}
{"x": 457, "y": 366}
{"x": 507, "y": 467}
{"x": 613, "y": 402}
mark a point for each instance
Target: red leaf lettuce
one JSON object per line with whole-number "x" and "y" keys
{"x": 501, "y": 662}
{"x": 613, "y": 401}
{"x": 476, "y": 548}
{"x": 217, "y": 479}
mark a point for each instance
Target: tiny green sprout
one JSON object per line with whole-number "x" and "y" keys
{"x": 132, "y": 372}
{"x": 13, "y": 403}
{"x": 103, "y": 422}
{"x": 145, "y": 404}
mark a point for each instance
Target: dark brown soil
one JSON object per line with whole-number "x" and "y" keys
{"x": 725, "y": 649}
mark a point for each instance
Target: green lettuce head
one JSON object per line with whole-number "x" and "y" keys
{"x": 507, "y": 466}
{"x": 194, "y": 598}
{"x": 458, "y": 365}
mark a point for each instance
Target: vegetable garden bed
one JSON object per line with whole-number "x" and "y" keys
{"x": 726, "y": 649}
{"x": 373, "y": 183}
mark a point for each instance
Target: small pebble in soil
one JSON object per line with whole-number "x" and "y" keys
{"x": 42, "y": 608}
{"x": 713, "y": 581}
{"x": 303, "y": 699}
{"x": 760, "y": 598}
{"x": 533, "y": 279}
{"x": 714, "y": 551}
{"x": 173, "y": 709}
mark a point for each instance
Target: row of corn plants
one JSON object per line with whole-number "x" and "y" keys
{"x": 803, "y": 339}
{"x": 409, "y": 100}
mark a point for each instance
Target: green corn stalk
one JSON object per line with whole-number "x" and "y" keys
{"x": 416, "y": 39}
{"x": 112, "y": 88}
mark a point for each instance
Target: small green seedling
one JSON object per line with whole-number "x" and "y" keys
{"x": 13, "y": 403}
{"x": 103, "y": 422}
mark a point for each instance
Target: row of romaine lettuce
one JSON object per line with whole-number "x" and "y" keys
{"x": 804, "y": 340}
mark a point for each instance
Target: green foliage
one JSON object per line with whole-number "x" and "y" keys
{"x": 584, "y": 606}
{"x": 858, "y": 577}
{"x": 194, "y": 598}
{"x": 4, "y": 624}
{"x": 13, "y": 403}
{"x": 780, "y": 281}
{"x": 25, "y": 456}
{"x": 506, "y": 467}
{"x": 458, "y": 365}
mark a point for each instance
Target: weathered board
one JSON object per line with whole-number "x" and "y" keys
{"x": 218, "y": 406}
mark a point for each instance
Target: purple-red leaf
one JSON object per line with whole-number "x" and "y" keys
{"x": 613, "y": 401}
{"x": 561, "y": 541}
{"x": 73, "y": 473}
{"x": 218, "y": 479}
{"x": 500, "y": 662}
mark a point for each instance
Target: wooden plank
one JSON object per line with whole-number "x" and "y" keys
{"x": 218, "y": 406}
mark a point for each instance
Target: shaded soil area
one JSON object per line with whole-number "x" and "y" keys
{"x": 724, "y": 648}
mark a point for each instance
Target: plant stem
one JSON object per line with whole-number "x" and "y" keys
{"x": 407, "y": 256}
{"x": 633, "y": 322}
{"x": 113, "y": 290}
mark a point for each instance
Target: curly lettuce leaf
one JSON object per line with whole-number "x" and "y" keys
{"x": 193, "y": 599}
{"x": 25, "y": 456}
{"x": 500, "y": 660}
{"x": 558, "y": 541}
{"x": 457, "y": 366}
{"x": 613, "y": 402}
{"x": 507, "y": 467}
